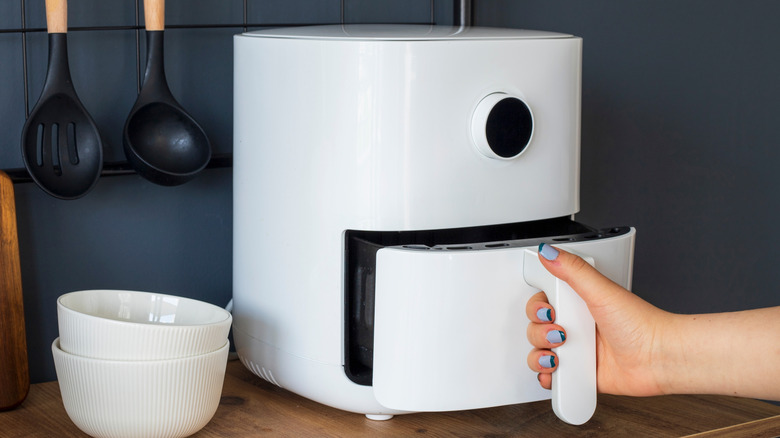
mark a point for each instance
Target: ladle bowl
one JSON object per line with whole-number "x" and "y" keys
{"x": 165, "y": 144}
{"x": 162, "y": 142}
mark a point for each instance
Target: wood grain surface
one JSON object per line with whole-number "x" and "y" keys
{"x": 14, "y": 373}
{"x": 764, "y": 428}
{"x": 154, "y": 14}
{"x": 57, "y": 16}
{"x": 252, "y": 407}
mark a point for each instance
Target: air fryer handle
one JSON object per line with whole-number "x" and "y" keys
{"x": 574, "y": 382}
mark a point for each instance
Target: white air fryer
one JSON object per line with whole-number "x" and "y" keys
{"x": 391, "y": 187}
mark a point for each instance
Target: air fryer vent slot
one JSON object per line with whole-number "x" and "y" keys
{"x": 260, "y": 371}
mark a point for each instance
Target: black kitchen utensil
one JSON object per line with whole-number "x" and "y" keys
{"x": 162, "y": 142}
{"x": 61, "y": 145}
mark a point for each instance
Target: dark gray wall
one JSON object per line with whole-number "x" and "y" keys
{"x": 678, "y": 140}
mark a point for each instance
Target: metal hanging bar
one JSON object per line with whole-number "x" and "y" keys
{"x": 464, "y": 13}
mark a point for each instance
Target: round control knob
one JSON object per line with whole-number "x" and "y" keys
{"x": 502, "y": 126}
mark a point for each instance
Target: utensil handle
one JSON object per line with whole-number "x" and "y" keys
{"x": 154, "y": 14}
{"x": 57, "y": 16}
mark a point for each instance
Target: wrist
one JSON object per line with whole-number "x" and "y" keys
{"x": 671, "y": 357}
{"x": 706, "y": 354}
{"x": 697, "y": 353}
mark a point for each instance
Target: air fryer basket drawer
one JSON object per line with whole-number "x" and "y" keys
{"x": 360, "y": 268}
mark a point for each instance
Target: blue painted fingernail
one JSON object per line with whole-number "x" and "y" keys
{"x": 547, "y": 361}
{"x": 544, "y": 314}
{"x": 555, "y": 336}
{"x": 548, "y": 251}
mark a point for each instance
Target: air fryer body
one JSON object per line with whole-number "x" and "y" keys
{"x": 355, "y": 142}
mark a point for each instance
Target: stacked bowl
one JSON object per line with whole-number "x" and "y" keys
{"x": 140, "y": 364}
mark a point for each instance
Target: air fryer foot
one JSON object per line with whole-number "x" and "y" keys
{"x": 379, "y": 417}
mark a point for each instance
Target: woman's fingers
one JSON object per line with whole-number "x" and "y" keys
{"x": 543, "y": 361}
{"x": 539, "y": 310}
{"x": 543, "y": 335}
{"x": 546, "y": 336}
{"x": 593, "y": 287}
{"x": 545, "y": 380}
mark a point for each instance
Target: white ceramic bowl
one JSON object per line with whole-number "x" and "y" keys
{"x": 132, "y": 325}
{"x": 164, "y": 399}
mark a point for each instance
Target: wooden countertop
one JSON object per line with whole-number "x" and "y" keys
{"x": 252, "y": 407}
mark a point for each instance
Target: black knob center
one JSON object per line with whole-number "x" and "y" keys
{"x": 509, "y": 127}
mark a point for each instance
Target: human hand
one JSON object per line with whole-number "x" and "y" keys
{"x": 642, "y": 350}
{"x": 629, "y": 331}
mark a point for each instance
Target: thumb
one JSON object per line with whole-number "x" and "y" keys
{"x": 594, "y": 288}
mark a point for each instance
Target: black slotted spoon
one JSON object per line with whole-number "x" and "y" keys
{"x": 61, "y": 144}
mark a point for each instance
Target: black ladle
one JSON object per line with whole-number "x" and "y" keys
{"x": 61, "y": 144}
{"x": 162, "y": 142}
